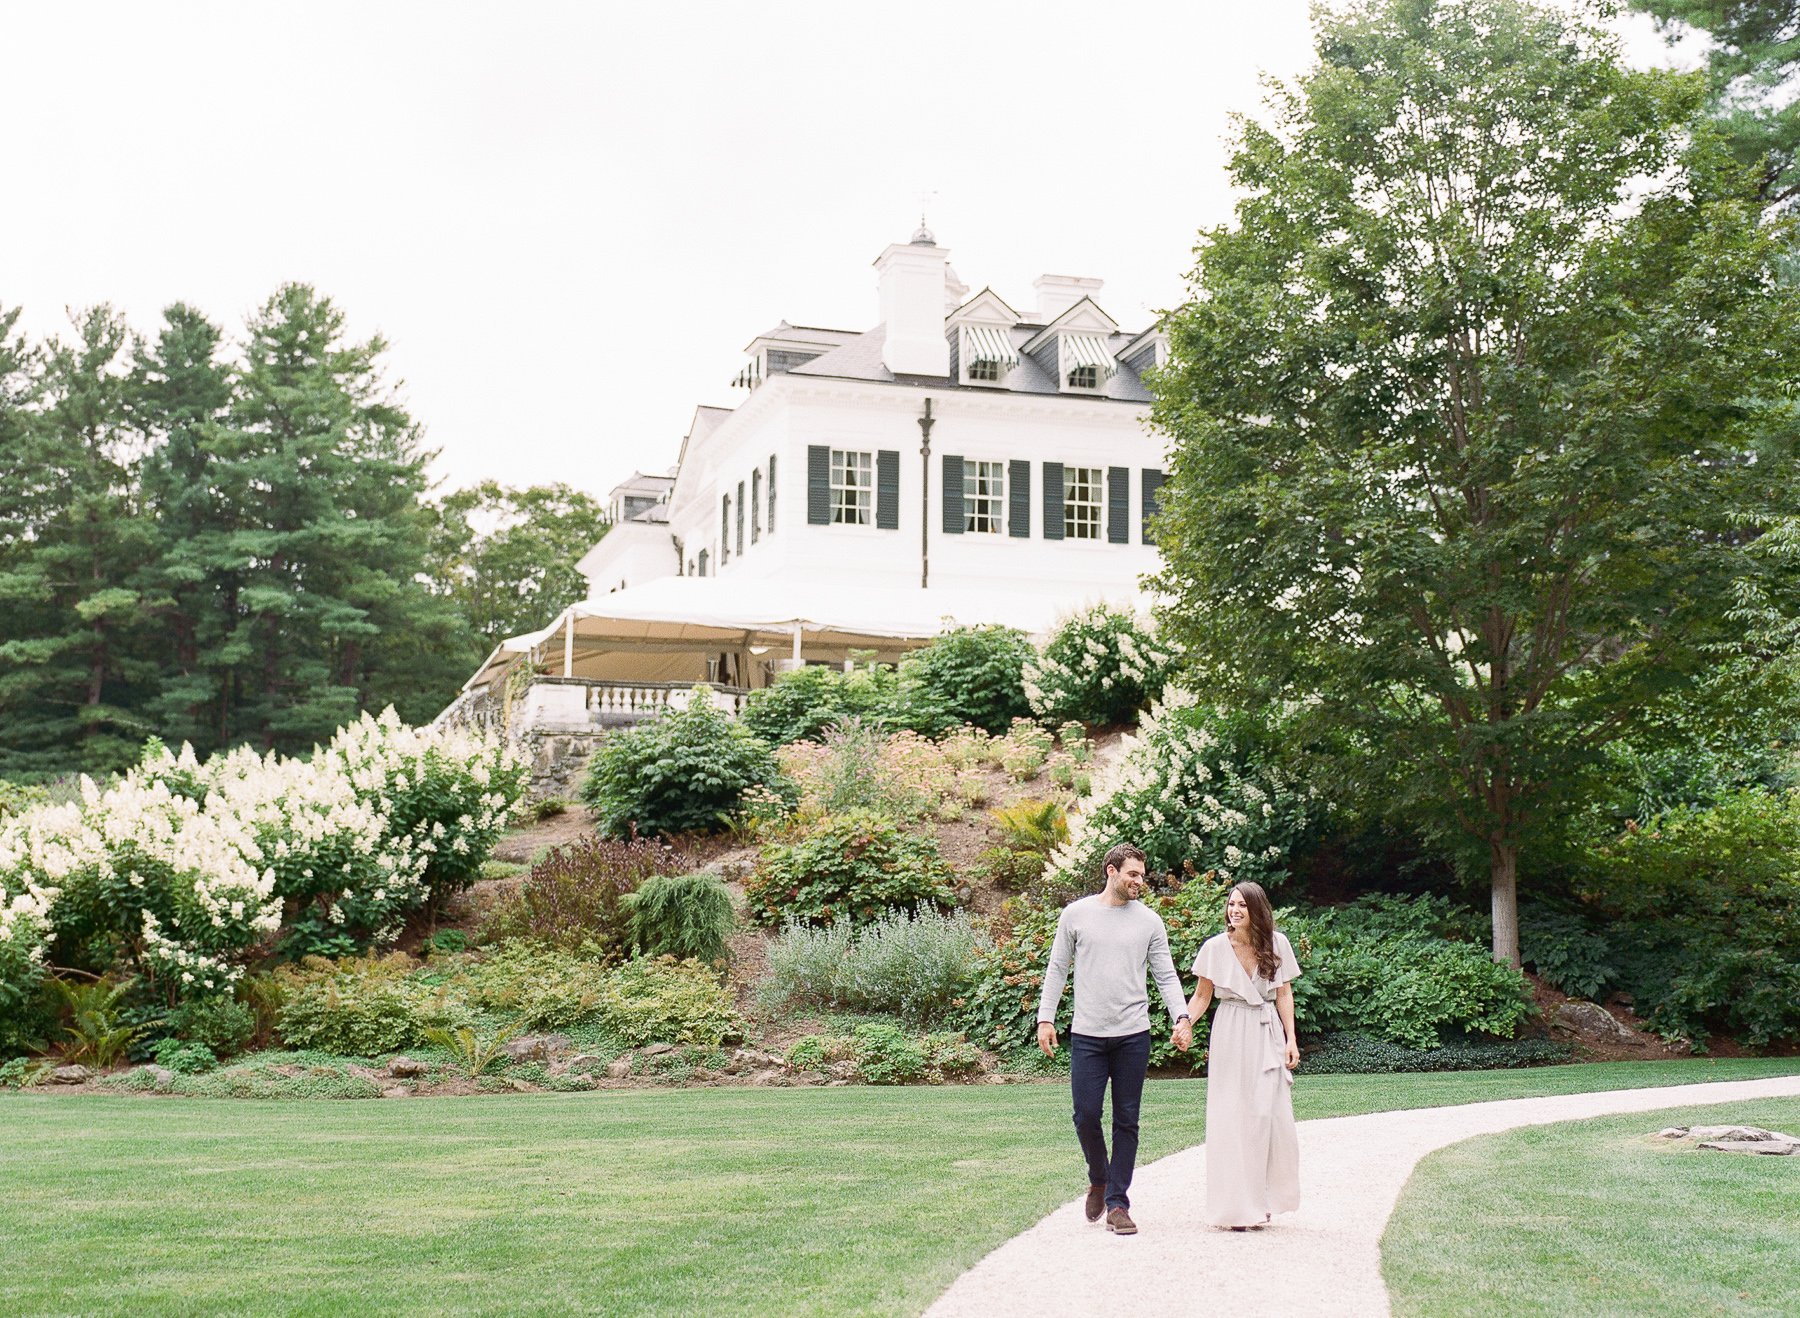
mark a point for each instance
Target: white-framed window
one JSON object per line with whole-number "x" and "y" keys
{"x": 984, "y": 370}
{"x": 725, "y": 530}
{"x": 756, "y": 505}
{"x": 852, "y": 487}
{"x": 1082, "y": 497}
{"x": 984, "y": 496}
{"x": 1084, "y": 377}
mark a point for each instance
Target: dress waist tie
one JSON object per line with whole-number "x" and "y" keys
{"x": 1274, "y": 1035}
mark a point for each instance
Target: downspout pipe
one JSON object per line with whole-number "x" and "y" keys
{"x": 925, "y": 423}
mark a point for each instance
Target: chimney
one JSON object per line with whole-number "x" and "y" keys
{"x": 912, "y": 306}
{"x": 1057, "y": 293}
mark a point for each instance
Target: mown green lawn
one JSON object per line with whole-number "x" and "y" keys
{"x": 1596, "y": 1218}
{"x": 777, "y": 1201}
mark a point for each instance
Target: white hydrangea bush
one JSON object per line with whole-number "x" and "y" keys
{"x": 1101, "y": 666}
{"x": 182, "y": 889}
{"x": 24, "y": 930}
{"x": 1191, "y": 787}
{"x": 190, "y": 866}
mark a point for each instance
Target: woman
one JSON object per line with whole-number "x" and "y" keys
{"x": 1252, "y": 1149}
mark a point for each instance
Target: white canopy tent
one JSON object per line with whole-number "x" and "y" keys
{"x": 665, "y": 630}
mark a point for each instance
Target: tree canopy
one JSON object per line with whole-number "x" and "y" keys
{"x": 1475, "y": 411}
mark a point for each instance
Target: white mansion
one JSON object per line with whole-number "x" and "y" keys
{"x": 963, "y": 460}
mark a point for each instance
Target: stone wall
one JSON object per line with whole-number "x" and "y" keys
{"x": 558, "y": 760}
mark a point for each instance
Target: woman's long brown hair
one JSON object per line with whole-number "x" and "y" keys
{"x": 1262, "y": 926}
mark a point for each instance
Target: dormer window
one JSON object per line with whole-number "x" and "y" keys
{"x": 1087, "y": 363}
{"x": 980, "y": 333}
{"x": 984, "y": 372}
{"x": 1084, "y": 377}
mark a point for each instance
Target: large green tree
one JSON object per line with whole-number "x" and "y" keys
{"x": 1753, "y": 64}
{"x": 72, "y": 671}
{"x": 507, "y": 556}
{"x": 327, "y": 472}
{"x": 1475, "y": 410}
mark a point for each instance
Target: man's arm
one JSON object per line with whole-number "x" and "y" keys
{"x": 1056, "y": 975}
{"x": 1168, "y": 983}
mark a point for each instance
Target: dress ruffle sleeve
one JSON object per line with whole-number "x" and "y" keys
{"x": 1288, "y": 965}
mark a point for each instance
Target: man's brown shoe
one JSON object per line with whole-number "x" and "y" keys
{"x": 1096, "y": 1202}
{"x": 1119, "y": 1222}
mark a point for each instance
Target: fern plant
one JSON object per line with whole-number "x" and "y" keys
{"x": 1036, "y": 827}
{"x": 97, "y": 1034}
{"x": 472, "y": 1052}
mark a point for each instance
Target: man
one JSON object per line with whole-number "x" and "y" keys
{"x": 1112, "y": 939}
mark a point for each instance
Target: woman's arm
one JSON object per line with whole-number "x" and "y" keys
{"x": 1202, "y": 999}
{"x": 1284, "y": 1003}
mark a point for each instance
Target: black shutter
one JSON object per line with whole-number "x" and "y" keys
{"x": 955, "y": 517}
{"x": 1118, "y": 505}
{"x": 887, "y": 489}
{"x": 739, "y": 547}
{"x": 1153, "y": 483}
{"x": 818, "y": 485}
{"x": 1018, "y": 512}
{"x": 1053, "y": 501}
{"x": 771, "y": 494}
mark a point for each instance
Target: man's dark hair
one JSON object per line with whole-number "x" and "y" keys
{"x": 1116, "y": 858}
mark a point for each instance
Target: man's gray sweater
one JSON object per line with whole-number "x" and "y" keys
{"x": 1112, "y": 948}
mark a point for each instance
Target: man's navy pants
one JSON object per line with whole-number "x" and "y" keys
{"x": 1094, "y": 1060}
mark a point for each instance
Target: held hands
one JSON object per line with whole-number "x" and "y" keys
{"x": 1183, "y": 1037}
{"x": 1047, "y": 1038}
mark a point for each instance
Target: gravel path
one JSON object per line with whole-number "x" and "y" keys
{"x": 1328, "y": 1254}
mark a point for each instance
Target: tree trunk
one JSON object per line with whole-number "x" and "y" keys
{"x": 1504, "y": 861}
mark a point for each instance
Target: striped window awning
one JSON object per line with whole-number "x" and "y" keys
{"x": 982, "y": 343}
{"x": 1087, "y": 350}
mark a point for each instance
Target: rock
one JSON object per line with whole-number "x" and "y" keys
{"x": 843, "y": 1070}
{"x": 836, "y": 1084}
{"x": 811, "y": 1077}
{"x": 71, "y": 1075}
{"x": 1779, "y": 1148}
{"x": 619, "y": 1068}
{"x": 1592, "y": 1020}
{"x": 990, "y": 1063}
{"x": 519, "y": 1085}
{"x": 659, "y": 1049}
{"x": 537, "y": 1047}
{"x": 405, "y": 1068}
{"x": 162, "y": 1077}
{"x": 396, "y": 1091}
{"x": 767, "y": 1076}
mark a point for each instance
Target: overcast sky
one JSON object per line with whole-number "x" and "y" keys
{"x": 569, "y": 219}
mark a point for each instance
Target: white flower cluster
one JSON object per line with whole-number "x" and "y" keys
{"x": 1099, "y": 666}
{"x": 1184, "y": 793}
{"x": 196, "y": 860}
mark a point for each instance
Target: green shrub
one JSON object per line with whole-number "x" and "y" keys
{"x": 221, "y": 1025}
{"x": 804, "y": 704}
{"x": 1566, "y": 952}
{"x": 887, "y": 1055}
{"x": 809, "y": 1053}
{"x": 574, "y": 898}
{"x": 541, "y": 987}
{"x": 17, "y": 798}
{"x": 913, "y": 964}
{"x": 473, "y": 1050}
{"x": 686, "y": 770}
{"x": 183, "y": 1058}
{"x": 548, "y": 808}
{"x": 949, "y": 1056}
{"x": 351, "y": 1007}
{"x": 1336, "y": 1054}
{"x": 851, "y": 769}
{"x": 662, "y": 1000}
{"x": 972, "y": 675}
{"x": 1706, "y": 910}
{"x": 686, "y": 916}
{"x": 854, "y": 866}
{"x": 1100, "y": 666}
{"x": 1382, "y": 967}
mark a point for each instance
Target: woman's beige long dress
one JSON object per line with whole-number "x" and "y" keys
{"x": 1252, "y": 1148}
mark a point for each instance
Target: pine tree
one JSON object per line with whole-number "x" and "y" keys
{"x": 73, "y": 662}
